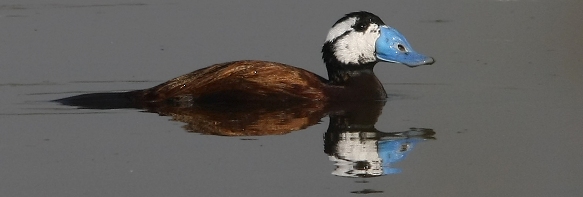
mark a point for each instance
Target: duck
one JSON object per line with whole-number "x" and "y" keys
{"x": 353, "y": 46}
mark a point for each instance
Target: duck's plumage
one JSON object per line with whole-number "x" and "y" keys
{"x": 354, "y": 44}
{"x": 241, "y": 80}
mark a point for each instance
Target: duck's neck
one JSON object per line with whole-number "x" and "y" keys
{"x": 358, "y": 82}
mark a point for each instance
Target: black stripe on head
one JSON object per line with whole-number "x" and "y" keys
{"x": 363, "y": 20}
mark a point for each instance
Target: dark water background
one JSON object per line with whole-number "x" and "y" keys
{"x": 505, "y": 98}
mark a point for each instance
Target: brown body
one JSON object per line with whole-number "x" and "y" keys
{"x": 251, "y": 80}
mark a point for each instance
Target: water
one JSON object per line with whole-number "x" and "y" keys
{"x": 504, "y": 99}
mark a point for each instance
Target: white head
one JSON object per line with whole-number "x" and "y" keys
{"x": 362, "y": 38}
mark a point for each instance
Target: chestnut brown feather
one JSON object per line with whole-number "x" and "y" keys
{"x": 240, "y": 81}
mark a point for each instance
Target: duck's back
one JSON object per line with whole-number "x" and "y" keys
{"x": 239, "y": 81}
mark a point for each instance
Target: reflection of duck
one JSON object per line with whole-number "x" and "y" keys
{"x": 226, "y": 119}
{"x": 354, "y": 44}
{"x": 359, "y": 149}
{"x": 370, "y": 154}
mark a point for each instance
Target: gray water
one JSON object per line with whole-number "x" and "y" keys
{"x": 504, "y": 98}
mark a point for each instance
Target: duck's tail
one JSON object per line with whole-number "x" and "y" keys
{"x": 107, "y": 100}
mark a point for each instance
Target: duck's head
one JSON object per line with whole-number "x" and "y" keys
{"x": 362, "y": 39}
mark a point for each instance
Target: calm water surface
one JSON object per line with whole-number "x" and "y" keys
{"x": 504, "y": 100}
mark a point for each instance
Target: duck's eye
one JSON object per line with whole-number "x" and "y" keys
{"x": 359, "y": 26}
{"x": 401, "y": 48}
